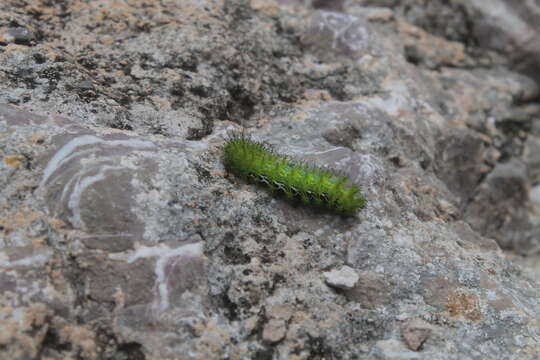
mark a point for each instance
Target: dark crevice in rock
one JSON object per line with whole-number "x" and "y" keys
{"x": 241, "y": 105}
{"x": 129, "y": 351}
{"x": 230, "y": 308}
{"x": 342, "y": 136}
{"x": 318, "y": 350}
{"x": 52, "y": 342}
{"x": 264, "y": 354}
{"x": 205, "y": 130}
{"x": 233, "y": 252}
{"x": 203, "y": 174}
{"x": 513, "y": 136}
{"x": 76, "y": 275}
{"x": 121, "y": 121}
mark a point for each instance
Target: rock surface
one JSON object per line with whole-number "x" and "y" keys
{"x": 343, "y": 278}
{"x": 122, "y": 236}
{"x": 416, "y": 332}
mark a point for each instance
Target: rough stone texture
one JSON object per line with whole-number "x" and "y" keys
{"x": 512, "y": 29}
{"x": 122, "y": 236}
{"x": 343, "y": 278}
{"x": 532, "y": 157}
{"x": 416, "y": 332}
{"x": 501, "y": 197}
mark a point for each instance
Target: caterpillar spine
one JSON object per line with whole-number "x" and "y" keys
{"x": 310, "y": 185}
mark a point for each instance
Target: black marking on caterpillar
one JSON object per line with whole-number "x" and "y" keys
{"x": 298, "y": 182}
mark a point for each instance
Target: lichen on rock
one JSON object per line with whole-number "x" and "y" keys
{"x": 123, "y": 237}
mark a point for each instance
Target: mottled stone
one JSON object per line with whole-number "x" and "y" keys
{"x": 415, "y": 333}
{"x": 89, "y": 183}
{"x": 535, "y": 195}
{"x": 340, "y": 33}
{"x": 422, "y": 47}
{"x": 532, "y": 156}
{"x": 497, "y": 209}
{"x": 122, "y": 236}
{"x": 274, "y": 330}
{"x": 393, "y": 349}
{"x": 371, "y": 290}
{"x": 23, "y": 330}
{"x": 511, "y": 28}
{"x": 170, "y": 293}
{"x": 280, "y": 311}
{"x": 459, "y": 162}
{"x": 19, "y": 35}
{"x": 23, "y": 277}
{"x": 469, "y": 238}
{"x": 105, "y": 278}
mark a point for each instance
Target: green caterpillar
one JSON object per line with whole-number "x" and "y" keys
{"x": 311, "y": 185}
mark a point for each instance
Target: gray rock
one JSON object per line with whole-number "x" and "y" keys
{"x": 512, "y": 29}
{"x": 392, "y": 349}
{"x": 497, "y": 210}
{"x": 274, "y": 331}
{"x": 532, "y": 156}
{"x": 123, "y": 237}
{"x": 415, "y": 333}
{"x": 459, "y": 162}
{"x": 343, "y": 33}
{"x": 19, "y": 35}
{"x": 88, "y": 183}
{"x": 535, "y": 195}
{"x": 343, "y": 278}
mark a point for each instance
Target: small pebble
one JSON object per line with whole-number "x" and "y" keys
{"x": 343, "y": 278}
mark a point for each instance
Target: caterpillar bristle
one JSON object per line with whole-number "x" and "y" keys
{"x": 258, "y": 162}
